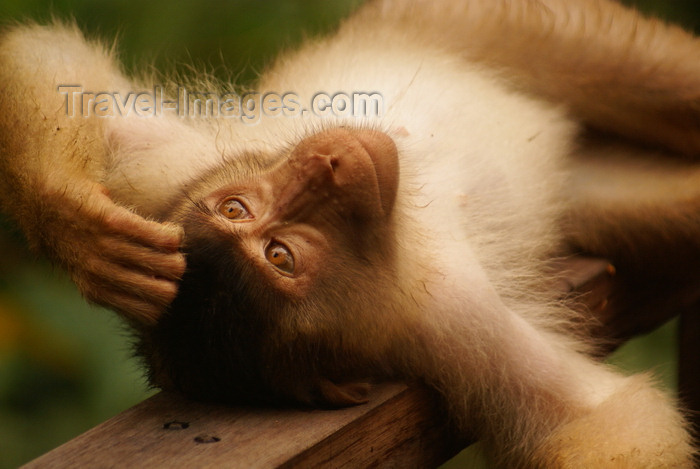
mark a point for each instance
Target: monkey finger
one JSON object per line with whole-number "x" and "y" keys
{"x": 157, "y": 263}
{"x": 162, "y": 236}
{"x": 133, "y": 308}
{"x": 156, "y": 290}
{"x": 101, "y": 276}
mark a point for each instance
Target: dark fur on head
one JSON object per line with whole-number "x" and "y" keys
{"x": 209, "y": 343}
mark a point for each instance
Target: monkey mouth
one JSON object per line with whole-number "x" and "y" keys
{"x": 383, "y": 154}
{"x": 357, "y": 166}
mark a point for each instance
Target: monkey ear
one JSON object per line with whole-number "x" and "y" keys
{"x": 345, "y": 394}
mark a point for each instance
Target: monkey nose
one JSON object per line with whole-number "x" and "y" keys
{"x": 316, "y": 171}
{"x": 338, "y": 166}
{"x": 330, "y": 158}
{"x": 323, "y": 165}
{"x": 307, "y": 182}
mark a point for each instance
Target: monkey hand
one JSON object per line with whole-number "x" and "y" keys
{"x": 116, "y": 258}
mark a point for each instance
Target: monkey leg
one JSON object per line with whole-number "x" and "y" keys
{"x": 629, "y": 202}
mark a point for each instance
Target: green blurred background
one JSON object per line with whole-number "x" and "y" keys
{"x": 66, "y": 366}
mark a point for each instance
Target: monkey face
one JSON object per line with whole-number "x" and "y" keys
{"x": 274, "y": 257}
{"x": 334, "y": 191}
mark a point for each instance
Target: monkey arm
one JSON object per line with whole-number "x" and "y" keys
{"x": 527, "y": 386}
{"x": 613, "y": 68}
{"x": 51, "y": 167}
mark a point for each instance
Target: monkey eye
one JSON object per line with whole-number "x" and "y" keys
{"x": 279, "y": 255}
{"x": 233, "y": 209}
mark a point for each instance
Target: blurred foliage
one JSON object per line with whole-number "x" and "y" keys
{"x": 224, "y": 37}
{"x": 684, "y": 12}
{"x": 66, "y": 366}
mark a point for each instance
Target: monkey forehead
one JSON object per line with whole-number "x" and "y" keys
{"x": 245, "y": 171}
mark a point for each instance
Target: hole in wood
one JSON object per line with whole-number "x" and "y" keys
{"x": 176, "y": 425}
{"x": 207, "y": 439}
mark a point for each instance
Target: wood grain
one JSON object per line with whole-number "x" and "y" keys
{"x": 399, "y": 427}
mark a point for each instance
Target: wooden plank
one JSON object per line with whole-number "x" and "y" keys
{"x": 588, "y": 283}
{"x": 400, "y": 426}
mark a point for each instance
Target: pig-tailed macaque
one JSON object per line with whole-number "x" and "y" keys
{"x": 332, "y": 242}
